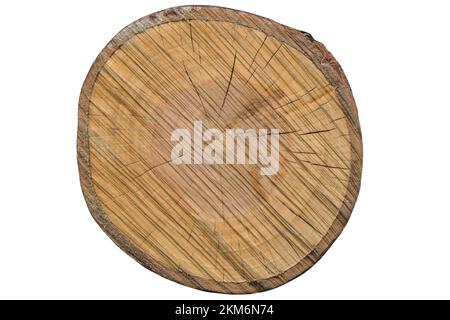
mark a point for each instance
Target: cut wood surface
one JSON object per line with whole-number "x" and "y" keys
{"x": 218, "y": 227}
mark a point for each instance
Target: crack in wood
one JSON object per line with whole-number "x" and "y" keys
{"x": 229, "y": 83}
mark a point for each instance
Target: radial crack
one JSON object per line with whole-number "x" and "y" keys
{"x": 195, "y": 89}
{"x": 229, "y": 83}
{"x": 257, "y": 52}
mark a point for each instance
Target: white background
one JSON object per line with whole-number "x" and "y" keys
{"x": 396, "y": 55}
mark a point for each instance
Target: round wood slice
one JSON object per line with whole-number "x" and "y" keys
{"x": 233, "y": 224}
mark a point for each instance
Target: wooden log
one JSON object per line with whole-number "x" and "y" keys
{"x": 220, "y": 149}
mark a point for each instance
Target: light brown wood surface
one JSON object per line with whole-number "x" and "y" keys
{"x": 218, "y": 227}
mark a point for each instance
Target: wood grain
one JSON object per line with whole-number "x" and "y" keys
{"x": 223, "y": 228}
